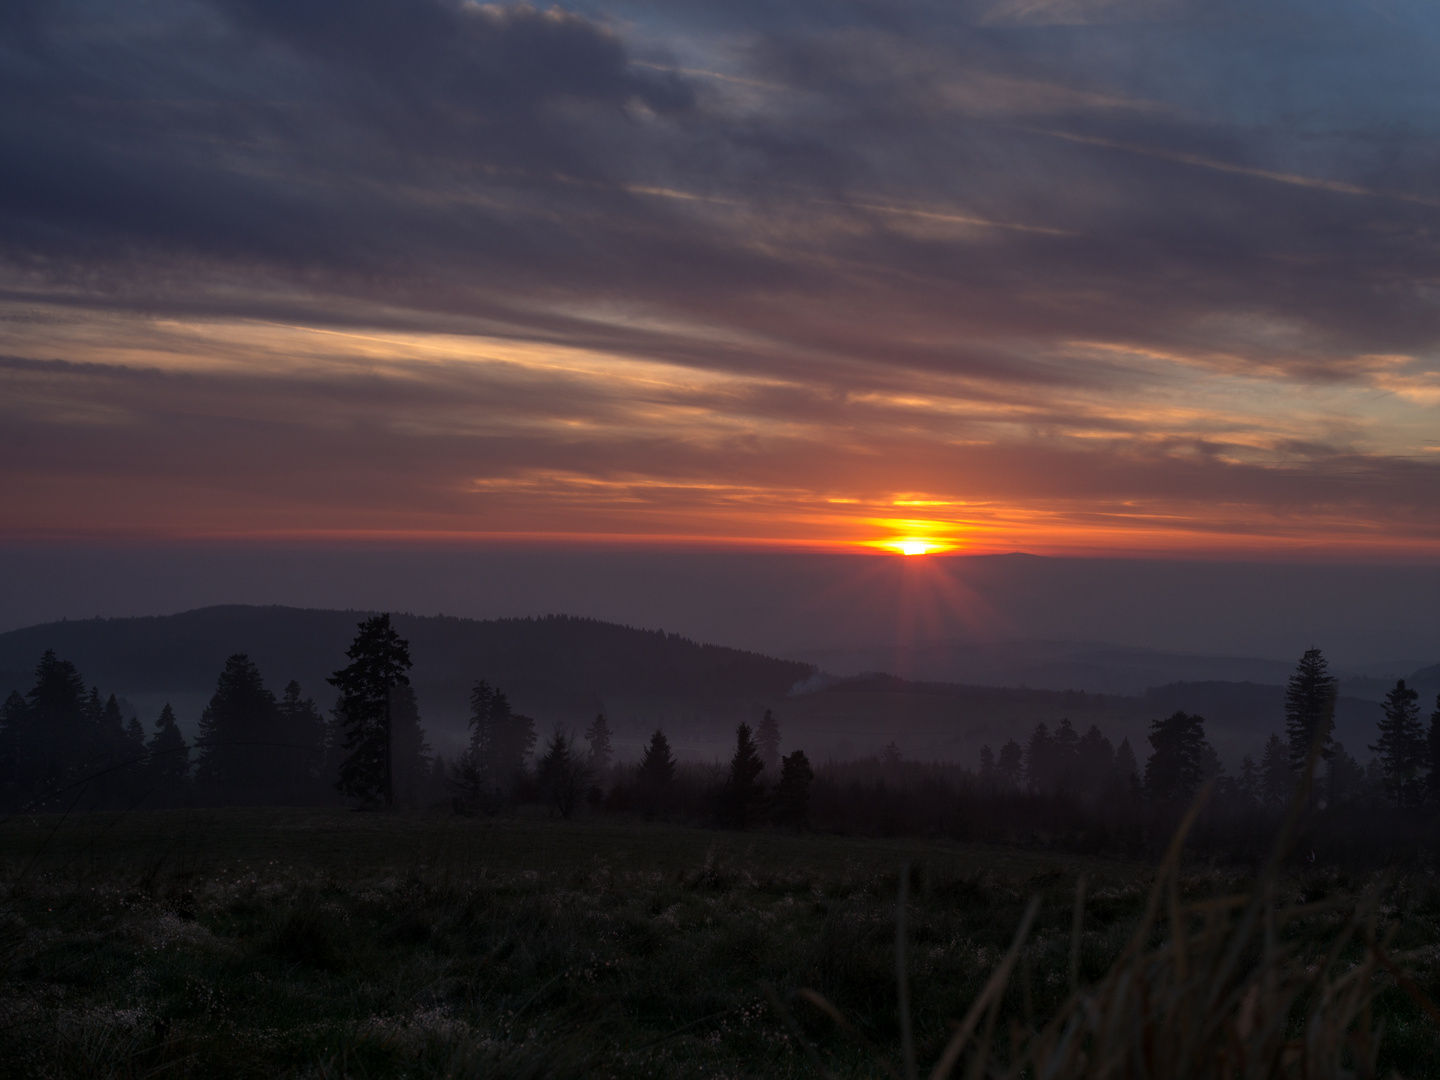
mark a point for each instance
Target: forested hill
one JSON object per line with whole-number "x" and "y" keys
{"x": 557, "y": 667}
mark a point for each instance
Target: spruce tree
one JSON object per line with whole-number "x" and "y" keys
{"x": 1127, "y": 769}
{"x": 1010, "y": 765}
{"x": 56, "y": 739}
{"x": 655, "y": 773}
{"x": 169, "y": 760}
{"x": 562, "y": 773}
{"x": 1247, "y": 784}
{"x": 1039, "y": 760}
{"x": 1064, "y": 756}
{"x": 501, "y": 740}
{"x": 743, "y": 791}
{"x": 987, "y": 777}
{"x": 299, "y": 753}
{"x": 1344, "y": 776}
{"x": 1432, "y": 755}
{"x": 767, "y": 740}
{"x": 379, "y": 659}
{"x": 597, "y": 736}
{"x": 1309, "y": 709}
{"x": 1401, "y": 747}
{"x": 1277, "y": 780}
{"x": 1176, "y": 767}
{"x": 1094, "y": 761}
{"x": 410, "y": 750}
{"x": 237, "y": 734}
{"x": 792, "y": 793}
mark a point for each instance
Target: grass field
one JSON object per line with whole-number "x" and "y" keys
{"x": 324, "y": 943}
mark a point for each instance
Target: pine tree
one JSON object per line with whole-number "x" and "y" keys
{"x": 1176, "y": 768}
{"x": 597, "y": 735}
{"x": 55, "y": 741}
{"x": 1094, "y": 760}
{"x": 1127, "y": 769}
{"x": 1010, "y": 766}
{"x": 987, "y": 777}
{"x": 767, "y": 739}
{"x": 1309, "y": 709}
{"x": 410, "y": 752}
{"x": 743, "y": 792}
{"x": 237, "y": 734}
{"x": 1401, "y": 746}
{"x": 792, "y": 793}
{"x": 1247, "y": 784}
{"x": 1432, "y": 749}
{"x": 1277, "y": 780}
{"x": 1065, "y": 756}
{"x": 1344, "y": 776}
{"x": 379, "y": 659}
{"x": 1039, "y": 764}
{"x": 655, "y": 773}
{"x": 169, "y": 760}
{"x": 562, "y": 773}
{"x": 299, "y": 754}
{"x": 501, "y": 740}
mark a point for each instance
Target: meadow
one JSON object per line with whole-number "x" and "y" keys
{"x": 327, "y": 943}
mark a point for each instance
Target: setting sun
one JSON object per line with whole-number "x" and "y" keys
{"x": 913, "y": 547}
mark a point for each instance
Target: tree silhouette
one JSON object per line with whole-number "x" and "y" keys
{"x": 767, "y": 741}
{"x": 1401, "y": 746}
{"x": 792, "y": 793}
{"x": 1127, "y": 769}
{"x": 655, "y": 773}
{"x": 501, "y": 740}
{"x": 1309, "y": 709}
{"x": 562, "y": 773}
{"x": 379, "y": 659}
{"x": 299, "y": 754}
{"x": 169, "y": 763}
{"x": 1094, "y": 761}
{"x": 597, "y": 735}
{"x": 1010, "y": 768}
{"x": 1039, "y": 760}
{"x": 743, "y": 792}
{"x": 1432, "y": 753}
{"x": 1277, "y": 779}
{"x": 410, "y": 752}
{"x": 1176, "y": 768}
{"x": 237, "y": 733}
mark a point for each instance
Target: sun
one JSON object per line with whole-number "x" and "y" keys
{"x": 914, "y": 547}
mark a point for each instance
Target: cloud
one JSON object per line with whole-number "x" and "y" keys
{"x": 1050, "y": 257}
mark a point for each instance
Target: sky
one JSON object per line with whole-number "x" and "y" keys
{"x": 1091, "y": 277}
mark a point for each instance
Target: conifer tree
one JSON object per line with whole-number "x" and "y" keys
{"x": 792, "y": 793}
{"x": 299, "y": 753}
{"x": 987, "y": 776}
{"x": 1432, "y": 755}
{"x": 57, "y": 736}
{"x": 655, "y": 773}
{"x": 1094, "y": 760}
{"x": 379, "y": 659}
{"x": 169, "y": 760}
{"x": 1309, "y": 709}
{"x": 237, "y": 736}
{"x": 1127, "y": 769}
{"x": 1401, "y": 747}
{"x": 1039, "y": 764}
{"x": 562, "y": 773}
{"x": 1277, "y": 781}
{"x": 1010, "y": 766}
{"x": 767, "y": 741}
{"x": 1344, "y": 776}
{"x": 410, "y": 750}
{"x": 743, "y": 791}
{"x": 1176, "y": 768}
{"x": 501, "y": 740}
{"x": 1064, "y": 756}
{"x": 597, "y": 735}
{"x": 1247, "y": 784}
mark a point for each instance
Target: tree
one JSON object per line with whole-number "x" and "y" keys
{"x": 299, "y": 752}
{"x": 501, "y": 740}
{"x": 792, "y": 793}
{"x": 237, "y": 734}
{"x": 1277, "y": 781}
{"x": 1247, "y": 784}
{"x": 1344, "y": 776}
{"x": 409, "y": 750}
{"x": 988, "y": 778}
{"x": 655, "y": 773}
{"x": 1064, "y": 756}
{"x": 1432, "y": 749}
{"x": 597, "y": 735}
{"x": 743, "y": 792}
{"x": 55, "y": 738}
{"x": 169, "y": 762}
{"x": 1309, "y": 709}
{"x": 1176, "y": 767}
{"x": 1010, "y": 768}
{"x": 379, "y": 659}
{"x": 1094, "y": 760}
{"x": 562, "y": 773}
{"x": 1127, "y": 769}
{"x": 1401, "y": 746}
{"x": 767, "y": 739}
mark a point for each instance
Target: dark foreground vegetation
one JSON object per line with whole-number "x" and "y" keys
{"x": 319, "y": 943}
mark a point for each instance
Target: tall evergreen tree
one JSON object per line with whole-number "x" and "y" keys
{"x": 57, "y": 739}
{"x": 597, "y": 735}
{"x": 1065, "y": 757}
{"x": 1176, "y": 768}
{"x": 767, "y": 741}
{"x": 987, "y": 776}
{"x": 379, "y": 659}
{"x": 1401, "y": 747}
{"x": 1127, "y": 769}
{"x": 236, "y": 759}
{"x": 1432, "y": 755}
{"x": 562, "y": 773}
{"x": 743, "y": 792}
{"x": 1039, "y": 760}
{"x": 501, "y": 740}
{"x": 169, "y": 760}
{"x": 410, "y": 750}
{"x": 792, "y": 793}
{"x": 1344, "y": 776}
{"x": 1247, "y": 784}
{"x": 655, "y": 773}
{"x": 1309, "y": 709}
{"x": 299, "y": 753}
{"x": 1010, "y": 766}
{"x": 1094, "y": 761}
{"x": 1277, "y": 780}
